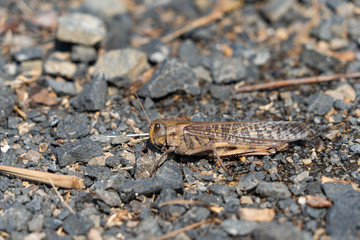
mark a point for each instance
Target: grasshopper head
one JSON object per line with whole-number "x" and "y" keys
{"x": 157, "y": 133}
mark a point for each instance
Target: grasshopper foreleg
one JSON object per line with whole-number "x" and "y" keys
{"x": 219, "y": 160}
{"x": 162, "y": 159}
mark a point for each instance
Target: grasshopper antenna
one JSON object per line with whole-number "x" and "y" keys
{"x": 142, "y": 107}
{"x": 146, "y": 120}
{"x": 139, "y": 134}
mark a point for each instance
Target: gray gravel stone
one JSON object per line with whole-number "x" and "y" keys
{"x": 71, "y": 127}
{"x": 148, "y": 228}
{"x": 247, "y": 183}
{"x": 297, "y": 188}
{"x": 132, "y": 188}
{"x": 27, "y": 54}
{"x": 198, "y": 117}
{"x": 14, "y": 218}
{"x": 301, "y": 177}
{"x": 238, "y": 228}
{"x": 323, "y": 31}
{"x": 113, "y": 161}
{"x": 189, "y": 53}
{"x": 156, "y": 51}
{"x": 93, "y": 97}
{"x": 144, "y": 166}
{"x": 275, "y": 231}
{"x": 81, "y": 151}
{"x": 104, "y": 8}
{"x": 109, "y": 197}
{"x": 81, "y": 53}
{"x": 171, "y": 211}
{"x": 120, "y": 34}
{"x": 343, "y": 218}
{"x": 219, "y": 92}
{"x": 341, "y": 105}
{"x": 333, "y": 190}
{"x": 52, "y": 223}
{"x": 195, "y": 214}
{"x": 171, "y": 76}
{"x": 121, "y": 66}
{"x": 36, "y": 223}
{"x": 170, "y": 170}
{"x": 274, "y": 10}
{"x": 355, "y": 148}
{"x": 261, "y": 57}
{"x": 354, "y": 30}
{"x": 320, "y": 103}
{"x": 77, "y": 224}
{"x": 80, "y": 28}
{"x": 319, "y": 60}
{"x": 273, "y": 189}
{"x": 60, "y": 87}
{"x": 97, "y": 172}
{"x": 56, "y": 67}
{"x": 6, "y": 107}
{"x": 227, "y": 70}
{"x": 120, "y": 139}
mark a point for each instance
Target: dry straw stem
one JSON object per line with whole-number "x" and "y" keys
{"x": 298, "y": 81}
{"x": 63, "y": 181}
{"x": 221, "y": 7}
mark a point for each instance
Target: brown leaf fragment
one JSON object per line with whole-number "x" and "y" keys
{"x": 325, "y": 179}
{"x": 258, "y": 215}
{"x": 45, "y": 19}
{"x": 32, "y": 156}
{"x": 44, "y": 96}
{"x": 332, "y": 135}
{"x": 94, "y": 234}
{"x": 117, "y": 218}
{"x": 217, "y": 209}
{"x": 20, "y": 112}
{"x": 43, "y": 147}
{"x": 317, "y": 201}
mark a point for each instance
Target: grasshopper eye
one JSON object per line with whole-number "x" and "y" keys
{"x": 157, "y": 127}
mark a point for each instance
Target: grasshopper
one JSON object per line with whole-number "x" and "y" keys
{"x": 222, "y": 139}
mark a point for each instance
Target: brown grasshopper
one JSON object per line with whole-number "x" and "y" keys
{"x": 224, "y": 139}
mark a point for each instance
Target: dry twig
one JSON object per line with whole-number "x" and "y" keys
{"x": 298, "y": 81}
{"x": 63, "y": 181}
{"x": 184, "y": 202}
{"x": 221, "y": 7}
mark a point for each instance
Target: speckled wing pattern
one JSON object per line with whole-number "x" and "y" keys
{"x": 249, "y": 132}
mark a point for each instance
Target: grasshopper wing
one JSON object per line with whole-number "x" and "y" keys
{"x": 249, "y": 132}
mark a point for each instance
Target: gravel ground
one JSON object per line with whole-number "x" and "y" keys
{"x": 68, "y": 74}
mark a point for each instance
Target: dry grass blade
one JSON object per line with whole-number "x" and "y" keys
{"x": 298, "y": 81}
{"x": 221, "y": 7}
{"x": 138, "y": 135}
{"x": 184, "y": 229}
{"x": 61, "y": 198}
{"x": 142, "y": 107}
{"x": 63, "y": 181}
